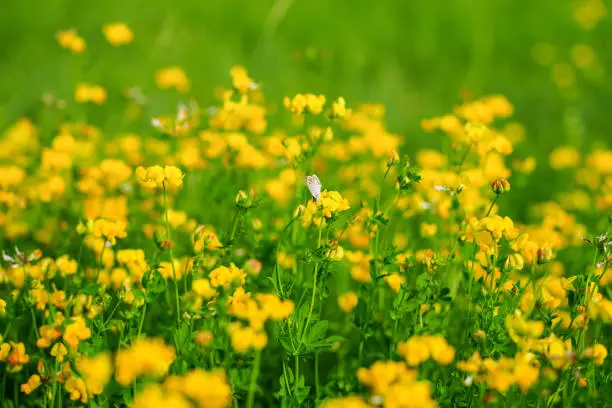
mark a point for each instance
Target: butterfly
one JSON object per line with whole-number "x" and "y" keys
{"x": 314, "y": 185}
{"x": 186, "y": 118}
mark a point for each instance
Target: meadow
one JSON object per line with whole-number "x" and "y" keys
{"x": 304, "y": 204}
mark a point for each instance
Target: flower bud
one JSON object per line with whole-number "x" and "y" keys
{"x": 514, "y": 263}
{"x": 544, "y": 255}
{"x": 204, "y": 338}
{"x": 500, "y": 186}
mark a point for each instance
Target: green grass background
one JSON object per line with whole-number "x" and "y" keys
{"x": 413, "y": 56}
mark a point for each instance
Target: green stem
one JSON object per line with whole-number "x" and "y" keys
{"x": 314, "y": 291}
{"x": 168, "y": 237}
{"x": 316, "y": 373}
{"x": 492, "y": 205}
{"x": 254, "y": 375}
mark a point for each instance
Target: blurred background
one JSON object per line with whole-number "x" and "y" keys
{"x": 550, "y": 58}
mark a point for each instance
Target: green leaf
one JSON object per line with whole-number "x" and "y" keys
{"x": 91, "y": 289}
{"x": 318, "y": 331}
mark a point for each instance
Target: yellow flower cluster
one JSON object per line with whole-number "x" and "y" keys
{"x": 90, "y": 93}
{"x": 205, "y": 389}
{"x": 395, "y": 386}
{"x": 137, "y": 360}
{"x": 14, "y": 354}
{"x": 172, "y": 77}
{"x": 224, "y": 276}
{"x": 95, "y": 373}
{"x": 117, "y": 33}
{"x": 302, "y": 103}
{"x": 257, "y": 311}
{"x": 501, "y": 374}
{"x": 329, "y": 203}
{"x": 160, "y": 177}
{"x": 418, "y": 349}
{"x": 71, "y": 40}
{"x": 348, "y": 301}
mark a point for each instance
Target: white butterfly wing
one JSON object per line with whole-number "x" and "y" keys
{"x": 314, "y": 186}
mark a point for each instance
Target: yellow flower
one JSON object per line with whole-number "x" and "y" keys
{"x": 117, "y": 33}
{"x": 17, "y": 357}
{"x": 596, "y": 352}
{"x": 345, "y": 402}
{"x": 525, "y": 375}
{"x": 206, "y": 389}
{"x": 77, "y": 389}
{"x": 202, "y": 288}
{"x": 440, "y": 350}
{"x": 109, "y": 230}
{"x": 224, "y": 276}
{"x": 305, "y": 103}
{"x": 172, "y": 77}
{"x": 32, "y": 384}
{"x": 564, "y": 157}
{"x": 204, "y": 337}
{"x": 382, "y": 374}
{"x": 348, "y": 301}
{"x": 394, "y": 281}
{"x": 69, "y": 39}
{"x": 154, "y": 396}
{"x": 415, "y": 351}
{"x": 246, "y": 338}
{"x": 428, "y": 230}
{"x": 137, "y": 360}
{"x": 75, "y": 332}
{"x": 59, "y": 351}
{"x": 90, "y": 93}
{"x": 157, "y": 176}
{"x": 96, "y": 372}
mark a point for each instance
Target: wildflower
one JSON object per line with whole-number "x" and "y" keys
{"x": 172, "y": 77}
{"x": 59, "y": 351}
{"x": 71, "y": 40}
{"x": 338, "y": 109}
{"x": 305, "y": 103}
{"x": 17, "y": 357}
{"x": 204, "y": 337}
{"x": 253, "y": 267}
{"x": 136, "y": 360}
{"x": 544, "y": 255}
{"x": 77, "y": 389}
{"x": 109, "y": 230}
{"x": 414, "y": 351}
{"x": 206, "y": 389}
{"x": 394, "y": 281}
{"x": 428, "y": 230}
{"x": 157, "y": 176}
{"x": 96, "y": 372}
{"x": 345, "y": 402}
{"x": 202, "y": 288}
{"x": 596, "y": 352}
{"x": 514, "y": 263}
{"x": 117, "y": 33}
{"x": 33, "y": 383}
{"x": 500, "y": 186}
{"x": 564, "y": 157}
{"x": 75, "y": 332}
{"x": 224, "y": 276}
{"x": 246, "y": 338}
{"x": 154, "y": 395}
{"x": 90, "y": 93}
{"x": 348, "y": 301}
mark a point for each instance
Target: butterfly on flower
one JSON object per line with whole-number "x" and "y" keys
{"x": 314, "y": 186}
{"x": 186, "y": 119}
